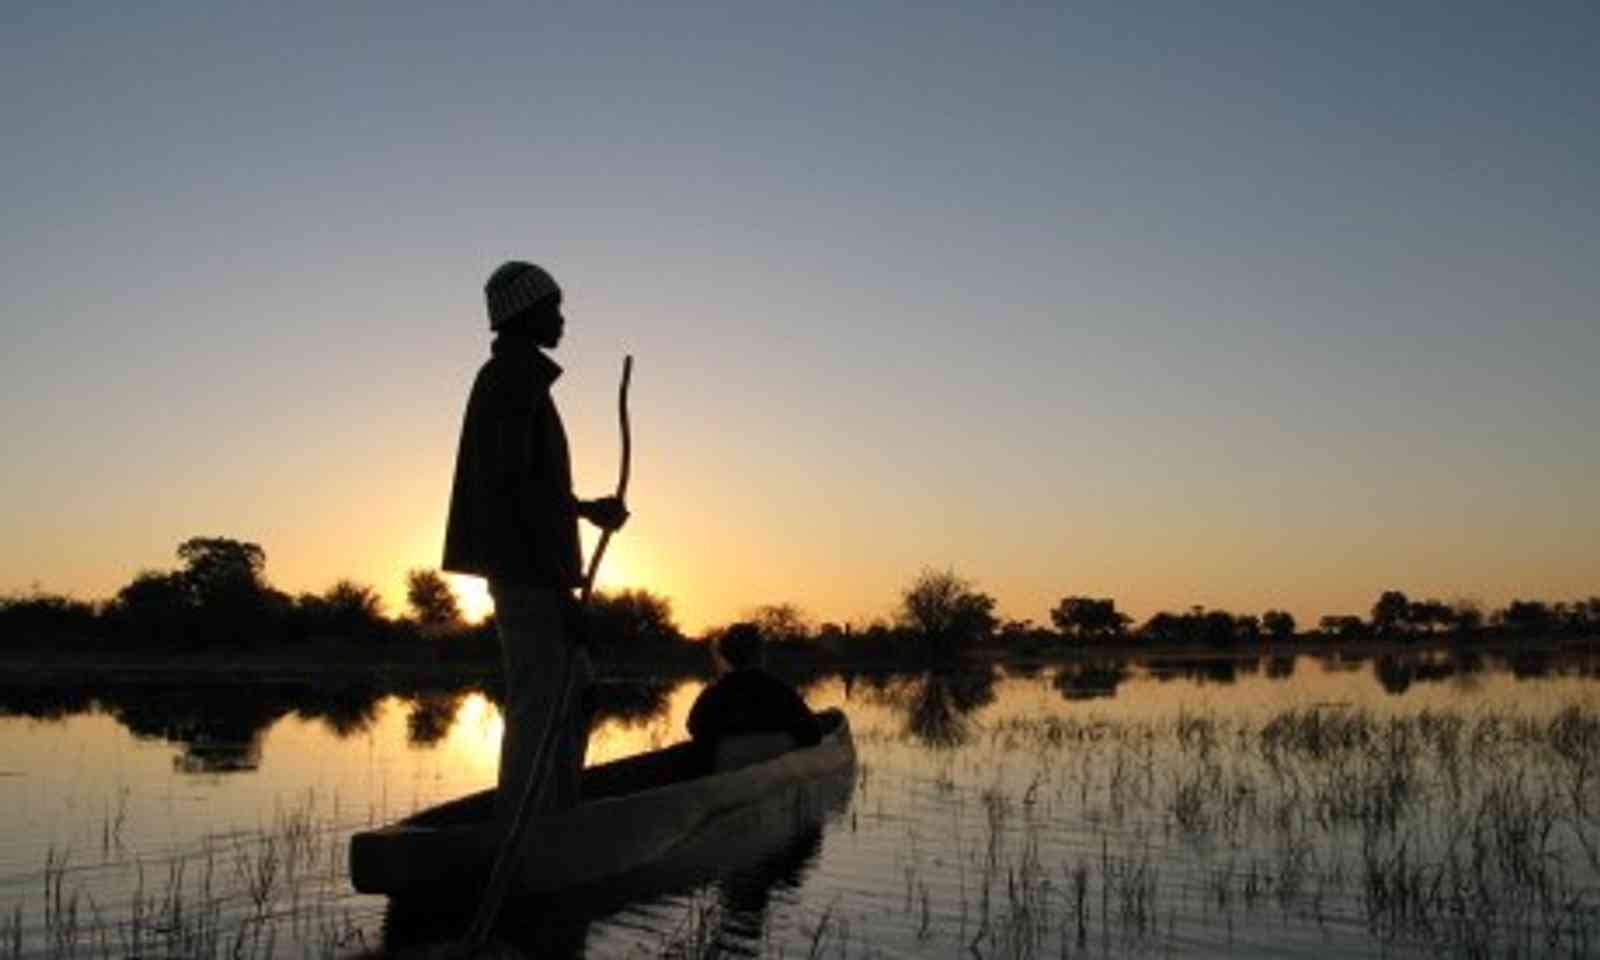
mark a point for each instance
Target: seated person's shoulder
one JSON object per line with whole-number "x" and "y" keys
{"x": 752, "y": 701}
{"x": 748, "y": 699}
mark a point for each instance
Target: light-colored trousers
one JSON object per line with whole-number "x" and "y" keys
{"x": 536, "y": 648}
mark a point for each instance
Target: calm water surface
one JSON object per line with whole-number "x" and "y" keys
{"x": 1297, "y": 806}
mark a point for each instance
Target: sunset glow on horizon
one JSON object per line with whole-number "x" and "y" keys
{"x": 1256, "y": 308}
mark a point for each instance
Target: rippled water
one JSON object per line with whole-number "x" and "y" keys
{"x": 1269, "y": 807}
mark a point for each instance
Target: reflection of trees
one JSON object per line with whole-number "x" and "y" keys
{"x": 1339, "y": 663}
{"x": 879, "y": 683}
{"x": 631, "y": 702}
{"x": 1091, "y": 679}
{"x": 431, "y": 717}
{"x": 1431, "y": 670}
{"x": 1398, "y": 672}
{"x": 936, "y": 703}
{"x": 215, "y": 715}
{"x": 346, "y": 711}
{"x": 1025, "y": 669}
{"x": 1531, "y": 664}
{"x": 1394, "y": 674}
{"x": 219, "y": 729}
{"x": 932, "y": 716}
{"x": 220, "y": 726}
{"x": 1280, "y": 668}
{"x": 1200, "y": 671}
{"x": 44, "y": 703}
{"x": 203, "y": 755}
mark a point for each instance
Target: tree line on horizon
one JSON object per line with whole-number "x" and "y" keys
{"x": 219, "y": 598}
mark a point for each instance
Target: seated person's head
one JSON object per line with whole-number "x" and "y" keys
{"x": 741, "y": 645}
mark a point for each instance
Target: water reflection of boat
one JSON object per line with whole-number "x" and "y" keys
{"x": 637, "y": 811}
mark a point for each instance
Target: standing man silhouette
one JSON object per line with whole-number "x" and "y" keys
{"x": 514, "y": 521}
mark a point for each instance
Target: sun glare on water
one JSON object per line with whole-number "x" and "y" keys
{"x": 478, "y": 729}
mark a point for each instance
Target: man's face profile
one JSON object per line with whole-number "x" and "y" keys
{"x": 547, "y": 323}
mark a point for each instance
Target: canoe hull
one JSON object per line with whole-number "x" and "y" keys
{"x": 448, "y": 850}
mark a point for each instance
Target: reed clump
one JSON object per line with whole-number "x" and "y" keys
{"x": 277, "y": 890}
{"x": 1465, "y": 832}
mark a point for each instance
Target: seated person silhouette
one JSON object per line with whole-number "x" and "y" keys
{"x": 747, "y": 714}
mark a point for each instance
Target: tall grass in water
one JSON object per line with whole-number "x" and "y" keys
{"x": 1458, "y": 832}
{"x": 1455, "y": 832}
{"x": 279, "y": 890}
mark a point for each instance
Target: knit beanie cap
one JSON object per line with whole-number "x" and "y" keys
{"x": 514, "y": 287}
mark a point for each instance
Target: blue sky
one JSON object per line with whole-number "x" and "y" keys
{"x": 1242, "y": 306}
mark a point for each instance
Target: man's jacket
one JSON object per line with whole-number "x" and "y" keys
{"x": 513, "y": 518}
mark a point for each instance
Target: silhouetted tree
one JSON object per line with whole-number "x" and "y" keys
{"x": 1279, "y": 624}
{"x": 353, "y": 610}
{"x": 1247, "y": 628}
{"x": 156, "y": 606}
{"x": 1165, "y": 628}
{"x": 432, "y": 600}
{"x": 1217, "y": 628}
{"x": 631, "y": 618}
{"x": 782, "y": 623}
{"x": 1024, "y": 636}
{"x": 946, "y": 612}
{"x": 224, "y": 580}
{"x": 1428, "y": 615}
{"x": 45, "y": 616}
{"x": 222, "y": 573}
{"x": 1342, "y": 626}
{"x": 1465, "y": 617}
{"x": 1530, "y": 617}
{"x": 1390, "y": 614}
{"x": 1086, "y": 618}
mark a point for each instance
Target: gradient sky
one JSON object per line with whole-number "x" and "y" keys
{"x": 1236, "y": 304}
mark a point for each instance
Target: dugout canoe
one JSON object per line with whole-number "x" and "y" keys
{"x": 635, "y": 812}
{"x": 744, "y": 854}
